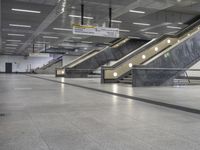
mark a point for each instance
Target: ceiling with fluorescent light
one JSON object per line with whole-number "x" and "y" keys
{"x": 52, "y": 26}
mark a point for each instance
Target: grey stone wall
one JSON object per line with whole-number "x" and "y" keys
{"x": 184, "y": 55}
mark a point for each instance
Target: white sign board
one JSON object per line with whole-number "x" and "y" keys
{"x": 96, "y": 31}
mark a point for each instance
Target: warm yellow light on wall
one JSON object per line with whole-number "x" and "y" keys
{"x": 115, "y": 74}
{"x": 143, "y": 56}
{"x": 130, "y": 65}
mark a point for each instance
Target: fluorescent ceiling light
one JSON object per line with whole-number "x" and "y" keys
{"x": 68, "y": 41}
{"x": 173, "y": 27}
{"x": 134, "y": 37}
{"x": 25, "y": 10}
{"x": 38, "y": 45}
{"x": 10, "y": 47}
{"x": 76, "y": 37}
{"x": 136, "y": 11}
{"x": 87, "y": 42}
{"x": 20, "y": 25}
{"x": 141, "y": 24}
{"x": 153, "y": 33}
{"x": 50, "y": 37}
{"x": 11, "y": 34}
{"x": 116, "y": 21}
{"x": 41, "y": 42}
{"x": 121, "y": 30}
{"x": 11, "y": 44}
{"x": 76, "y": 16}
{"x": 13, "y": 40}
{"x": 62, "y": 29}
{"x": 173, "y": 32}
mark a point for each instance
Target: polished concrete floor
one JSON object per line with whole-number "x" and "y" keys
{"x": 36, "y": 114}
{"x": 186, "y": 96}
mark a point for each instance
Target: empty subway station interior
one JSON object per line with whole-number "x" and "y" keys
{"x": 99, "y": 74}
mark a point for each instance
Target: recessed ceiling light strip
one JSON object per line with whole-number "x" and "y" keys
{"x": 141, "y": 24}
{"x": 12, "y": 34}
{"x": 136, "y": 11}
{"x": 76, "y": 16}
{"x": 62, "y": 29}
{"x": 25, "y": 10}
{"x": 20, "y": 25}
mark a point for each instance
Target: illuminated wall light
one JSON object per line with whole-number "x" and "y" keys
{"x": 156, "y": 49}
{"x": 115, "y": 74}
{"x": 143, "y": 56}
{"x": 168, "y": 41}
{"x": 178, "y": 41}
{"x": 189, "y": 34}
{"x": 63, "y": 72}
{"x": 130, "y": 65}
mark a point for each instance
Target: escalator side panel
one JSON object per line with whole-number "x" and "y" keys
{"x": 183, "y": 55}
{"x": 103, "y": 57}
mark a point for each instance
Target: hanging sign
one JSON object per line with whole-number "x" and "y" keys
{"x": 96, "y": 31}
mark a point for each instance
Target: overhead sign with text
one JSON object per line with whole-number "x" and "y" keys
{"x": 96, "y": 31}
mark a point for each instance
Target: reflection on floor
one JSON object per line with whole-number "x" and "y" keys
{"x": 187, "y": 96}
{"x": 43, "y": 115}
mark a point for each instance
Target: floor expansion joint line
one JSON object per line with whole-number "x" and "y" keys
{"x": 167, "y": 105}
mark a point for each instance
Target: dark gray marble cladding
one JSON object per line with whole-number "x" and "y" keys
{"x": 153, "y": 77}
{"x": 110, "y": 54}
{"x": 184, "y": 55}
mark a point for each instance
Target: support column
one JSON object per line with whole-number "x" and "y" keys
{"x": 110, "y": 17}
{"x": 82, "y": 13}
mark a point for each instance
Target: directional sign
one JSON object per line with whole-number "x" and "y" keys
{"x": 96, "y": 31}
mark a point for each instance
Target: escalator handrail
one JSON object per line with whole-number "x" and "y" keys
{"x": 51, "y": 63}
{"x": 91, "y": 52}
{"x": 81, "y": 57}
{"x": 151, "y": 43}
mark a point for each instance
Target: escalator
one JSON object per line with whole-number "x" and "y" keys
{"x": 89, "y": 62}
{"x": 49, "y": 68}
{"x": 168, "y": 51}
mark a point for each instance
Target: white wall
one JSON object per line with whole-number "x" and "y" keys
{"x": 21, "y": 64}
{"x": 67, "y": 59}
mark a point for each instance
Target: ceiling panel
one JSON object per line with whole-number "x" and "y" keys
{"x": 157, "y": 13}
